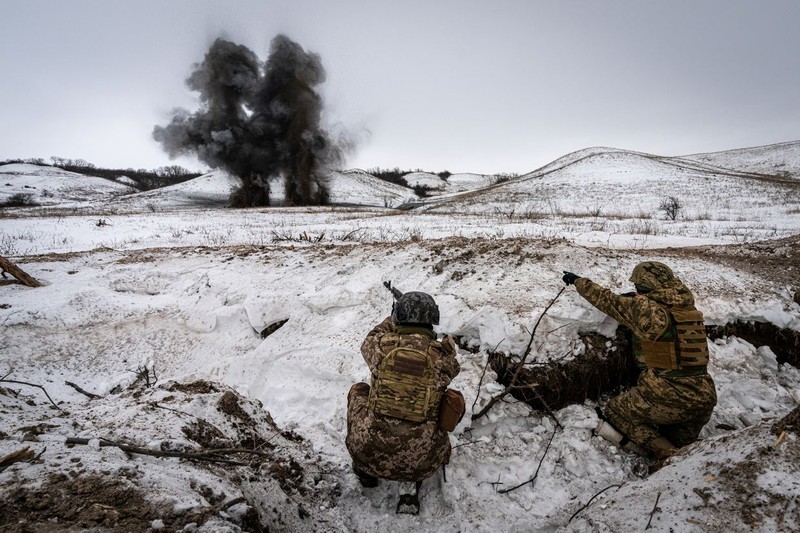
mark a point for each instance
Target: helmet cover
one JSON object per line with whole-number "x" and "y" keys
{"x": 416, "y": 308}
{"x": 652, "y": 275}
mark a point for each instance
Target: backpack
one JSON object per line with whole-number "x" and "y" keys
{"x": 404, "y": 386}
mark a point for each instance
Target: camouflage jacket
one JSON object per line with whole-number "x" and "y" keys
{"x": 646, "y": 315}
{"x": 391, "y": 448}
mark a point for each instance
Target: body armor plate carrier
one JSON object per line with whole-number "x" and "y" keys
{"x": 404, "y": 387}
{"x": 683, "y": 347}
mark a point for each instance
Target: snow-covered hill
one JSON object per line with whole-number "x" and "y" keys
{"x": 54, "y": 186}
{"x": 779, "y": 160}
{"x": 165, "y": 313}
{"x": 600, "y": 190}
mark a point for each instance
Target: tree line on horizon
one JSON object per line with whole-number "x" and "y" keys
{"x": 143, "y": 179}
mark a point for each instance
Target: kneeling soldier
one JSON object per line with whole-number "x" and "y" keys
{"x": 393, "y": 425}
{"x": 674, "y": 395}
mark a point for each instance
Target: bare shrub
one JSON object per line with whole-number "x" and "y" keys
{"x": 19, "y": 200}
{"x": 642, "y": 227}
{"x": 670, "y": 206}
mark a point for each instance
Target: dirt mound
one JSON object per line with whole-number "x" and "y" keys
{"x": 196, "y": 455}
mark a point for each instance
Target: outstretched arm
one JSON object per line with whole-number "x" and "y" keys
{"x": 645, "y": 318}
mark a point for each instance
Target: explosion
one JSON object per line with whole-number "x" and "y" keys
{"x": 257, "y": 121}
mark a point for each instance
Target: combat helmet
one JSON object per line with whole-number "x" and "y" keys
{"x": 415, "y": 308}
{"x": 651, "y": 275}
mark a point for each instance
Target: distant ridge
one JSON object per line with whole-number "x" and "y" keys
{"x": 590, "y": 178}
{"x": 780, "y": 159}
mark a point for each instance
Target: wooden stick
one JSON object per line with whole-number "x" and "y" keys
{"x": 23, "y": 454}
{"x": 513, "y": 381}
{"x": 4, "y": 380}
{"x": 531, "y": 480}
{"x": 77, "y": 388}
{"x": 655, "y": 509}
{"x": 202, "y": 455}
{"x": 14, "y": 270}
{"x": 590, "y": 501}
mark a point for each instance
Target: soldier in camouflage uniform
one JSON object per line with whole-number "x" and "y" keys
{"x": 387, "y": 445}
{"x": 674, "y": 395}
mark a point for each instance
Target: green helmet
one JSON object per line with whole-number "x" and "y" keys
{"x": 651, "y": 275}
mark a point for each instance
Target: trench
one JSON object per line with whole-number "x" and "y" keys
{"x": 784, "y": 342}
{"x": 607, "y": 367}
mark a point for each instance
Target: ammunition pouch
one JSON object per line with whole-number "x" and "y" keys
{"x": 451, "y": 410}
{"x": 660, "y": 355}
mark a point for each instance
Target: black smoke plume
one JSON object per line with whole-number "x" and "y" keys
{"x": 257, "y": 121}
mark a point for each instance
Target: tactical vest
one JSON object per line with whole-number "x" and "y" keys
{"x": 682, "y": 350}
{"x": 405, "y": 384}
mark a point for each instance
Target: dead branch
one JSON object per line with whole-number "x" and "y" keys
{"x": 468, "y": 443}
{"x": 655, "y": 509}
{"x": 590, "y": 501}
{"x": 513, "y": 382}
{"x": 536, "y": 474}
{"x": 14, "y": 270}
{"x": 4, "y": 380}
{"x": 22, "y": 455}
{"x": 77, "y": 388}
{"x": 212, "y": 456}
{"x": 41, "y": 453}
{"x": 235, "y": 501}
{"x": 480, "y": 381}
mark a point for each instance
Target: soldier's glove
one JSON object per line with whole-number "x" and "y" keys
{"x": 569, "y": 278}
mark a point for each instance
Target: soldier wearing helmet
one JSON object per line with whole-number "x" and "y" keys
{"x": 674, "y": 396}
{"x": 393, "y": 429}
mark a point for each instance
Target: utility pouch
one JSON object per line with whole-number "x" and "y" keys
{"x": 660, "y": 355}
{"x": 451, "y": 410}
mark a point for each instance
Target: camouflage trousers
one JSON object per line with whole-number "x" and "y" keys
{"x": 675, "y": 408}
{"x": 390, "y": 448}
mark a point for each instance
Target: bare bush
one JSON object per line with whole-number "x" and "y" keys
{"x": 19, "y": 200}
{"x": 670, "y": 206}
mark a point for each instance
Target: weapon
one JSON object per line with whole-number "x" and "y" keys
{"x": 395, "y": 292}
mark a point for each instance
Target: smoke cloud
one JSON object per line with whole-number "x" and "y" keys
{"x": 257, "y": 121}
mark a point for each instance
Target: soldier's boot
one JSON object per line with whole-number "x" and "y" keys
{"x": 662, "y": 448}
{"x": 367, "y": 481}
{"x": 409, "y": 503}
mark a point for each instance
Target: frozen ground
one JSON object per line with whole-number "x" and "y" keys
{"x": 181, "y": 297}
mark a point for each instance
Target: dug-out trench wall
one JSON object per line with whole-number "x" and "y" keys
{"x": 607, "y": 366}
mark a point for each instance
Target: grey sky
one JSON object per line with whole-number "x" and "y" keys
{"x": 467, "y": 86}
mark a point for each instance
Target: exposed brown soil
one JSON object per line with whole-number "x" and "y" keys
{"x": 755, "y": 506}
{"x": 777, "y": 260}
{"x": 789, "y": 423}
{"x": 76, "y": 501}
{"x": 606, "y": 369}
{"x": 601, "y": 370}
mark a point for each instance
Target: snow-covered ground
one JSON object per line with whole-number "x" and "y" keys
{"x": 182, "y": 295}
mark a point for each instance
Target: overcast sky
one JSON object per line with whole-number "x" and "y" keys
{"x": 467, "y": 86}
